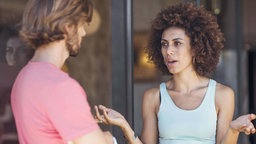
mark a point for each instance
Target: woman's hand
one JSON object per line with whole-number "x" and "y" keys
{"x": 244, "y": 124}
{"x": 109, "y": 116}
{"x": 113, "y": 117}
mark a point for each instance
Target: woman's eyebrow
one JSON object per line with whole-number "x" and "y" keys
{"x": 175, "y": 39}
{"x": 164, "y": 40}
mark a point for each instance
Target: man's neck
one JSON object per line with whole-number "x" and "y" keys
{"x": 55, "y": 53}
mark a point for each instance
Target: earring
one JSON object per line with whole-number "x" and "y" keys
{"x": 193, "y": 60}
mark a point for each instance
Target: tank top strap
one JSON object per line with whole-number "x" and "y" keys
{"x": 163, "y": 92}
{"x": 173, "y": 125}
{"x": 162, "y": 86}
{"x": 209, "y": 99}
{"x": 166, "y": 100}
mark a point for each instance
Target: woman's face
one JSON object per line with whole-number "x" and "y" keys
{"x": 17, "y": 53}
{"x": 176, "y": 50}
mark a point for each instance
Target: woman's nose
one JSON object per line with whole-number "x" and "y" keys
{"x": 170, "y": 51}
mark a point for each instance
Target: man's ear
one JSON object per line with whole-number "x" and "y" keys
{"x": 69, "y": 28}
{"x": 65, "y": 36}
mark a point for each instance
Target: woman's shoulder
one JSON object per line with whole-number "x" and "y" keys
{"x": 155, "y": 91}
{"x": 224, "y": 94}
{"x": 222, "y": 89}
{"x": 152, "y": 92}
{"x": 151, "y": 96}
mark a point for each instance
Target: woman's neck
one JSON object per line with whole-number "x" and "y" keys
{"x": 187, "y": 82}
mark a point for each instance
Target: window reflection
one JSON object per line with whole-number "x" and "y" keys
{"x": 14, "y": 54}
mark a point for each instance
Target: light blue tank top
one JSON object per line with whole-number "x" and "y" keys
{"x": 178, "y": 126}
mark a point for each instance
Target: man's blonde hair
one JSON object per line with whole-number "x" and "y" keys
{"x": 44, "y": 20}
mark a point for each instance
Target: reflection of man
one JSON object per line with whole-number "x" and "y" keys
{"x": 50, "y": 107}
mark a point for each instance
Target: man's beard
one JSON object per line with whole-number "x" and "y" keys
{"x": 73, "y": 49}
{"x": 73, "y": 52}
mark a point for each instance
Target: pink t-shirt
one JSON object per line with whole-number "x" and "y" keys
{"x": 49, "y": 107}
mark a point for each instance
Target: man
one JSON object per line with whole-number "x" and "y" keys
{"x": 50, "y": 107}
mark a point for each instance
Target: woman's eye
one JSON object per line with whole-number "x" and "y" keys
{"x": 164, "y": 45}
{"x": 9, "y": 50}
{"x": 177, "y": 43}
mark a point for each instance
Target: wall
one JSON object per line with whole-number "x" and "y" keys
{"x": 92, "y": 67}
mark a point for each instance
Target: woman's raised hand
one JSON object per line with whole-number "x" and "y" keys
{"x": 109, "y": 116}
{"x": 244, "y": 124}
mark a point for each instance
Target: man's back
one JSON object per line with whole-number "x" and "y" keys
{"x": 42, "y": 99}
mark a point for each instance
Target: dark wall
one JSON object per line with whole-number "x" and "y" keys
{"x": 92, "y": 67}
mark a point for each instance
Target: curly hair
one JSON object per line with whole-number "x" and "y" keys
{"x": 44, "y": 20}
{"x": 206, "y": 39}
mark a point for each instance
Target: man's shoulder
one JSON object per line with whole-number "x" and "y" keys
{"x": 46, "y": 72}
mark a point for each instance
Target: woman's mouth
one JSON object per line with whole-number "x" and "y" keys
{"x": 171, "y": 63}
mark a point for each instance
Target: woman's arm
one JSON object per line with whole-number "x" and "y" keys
{"x": 228, "y": 130}
{"x": 225, "y": 109}
{"x": 241, "y": 124}
{"x": 150, "y": 106}
{"x": 113, "y": 117}
{"x": 149, "y": 110}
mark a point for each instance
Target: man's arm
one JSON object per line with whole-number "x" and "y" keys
{"x": 95, "y": 137}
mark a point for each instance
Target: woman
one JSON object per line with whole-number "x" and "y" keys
{"x": 189, "y": 108}
{"x": 18, "y": 53}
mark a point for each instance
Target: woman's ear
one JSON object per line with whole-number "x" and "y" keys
{"x": 193, "y": 52}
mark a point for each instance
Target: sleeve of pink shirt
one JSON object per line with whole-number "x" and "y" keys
{"x": 69, "y": 111}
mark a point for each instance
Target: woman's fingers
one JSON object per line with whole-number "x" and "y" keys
{"x": 102, "y": 118}
{"x": 106, "y": 112}
{"x": 253, "y": 131}
{"x": 250, "y": 127}
{"x": 108, "y": 120}
{"x": 99, "y": 118}
{"x": 108, "y": 116}
{"x": 101, "y": 107}
{"x": 252, "y": 117}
